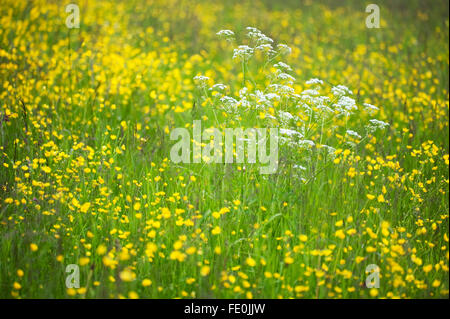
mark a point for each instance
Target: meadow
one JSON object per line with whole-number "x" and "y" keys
{"x": 87, "y": 179}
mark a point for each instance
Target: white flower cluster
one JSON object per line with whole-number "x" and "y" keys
{"x": 314, "y": 81}
{"x": 303, "y": 117}
{"x": 225, "y": 34}
{"x": 375, "y": 124}
{"x": 201, "y": 80}
{"x": 345, "y": 105}
{"x": 243, "y": 52}
{"x": 353, "y": 134}
{"x": 218, "y": 87}
{"x": 340, "y": 90}
{"x": 257, "y": 36}
{"x": 284, "y": 49}
{"x": 371, "y": 109}
{"x": 282, "y": 66}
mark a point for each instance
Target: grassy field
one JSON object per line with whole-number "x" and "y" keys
{"x": 87, "y": 178}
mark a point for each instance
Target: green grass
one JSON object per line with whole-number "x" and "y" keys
{"x": 86, "y": 116}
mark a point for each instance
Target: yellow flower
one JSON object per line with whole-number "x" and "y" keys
{"x": 127, "y": 275}
{"x": 250, "y": 261}
{"x": 216, "y": 230}
{"x": 137, "y": 206}
{"x": 204, "y": 271}
{"x": 71, "y": 291}
{"x": 370, "y": 197}
{"x": 146, "y": 282}
{"x": 340, "y": 234}
{"x": 84, "y": 208}
{"x": 101, "y": 249}
{"x": 177, "y": 245}
{"x": 46, "y": 169}
{"x": 427, "y": 268}
{"x": 374, "y": 292}
{"x": 339, "y": 223}
{"x": 436, "y": 283}
{"x": 34, "y": 247}
{"x": 133, "y": 295}
{"x": 81, "y": 290}
{"x": 83, "y": 261}
{"x": 288, "y": 260}
{"x": 17, "y": 286}
{"x": 358, "y": 259}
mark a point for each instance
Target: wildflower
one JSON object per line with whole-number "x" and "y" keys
{"x": 216, "y": 230}
{"x": 250, "y": 261}
{"x": 204, "y": 271}
{"x": 146, "y": 282}
{"x": 288, "y": 260}
{"x": 101, "y": 249}
{"x": 243, "y": 52}
{"x": 314, "y": 81}
{"x": 85, "y": 207}
{"x": 133, "y": 295}
{"x": 376, "y": 124}
{"x": 127, "y": 275}
{"x": 226, "y": 34}
{"x": 284, "y": 49}
{"x": 83, "y": 261}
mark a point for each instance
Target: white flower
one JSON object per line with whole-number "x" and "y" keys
{"x": 266, "y": 47}
{"x": 244, "y": 102}
{"x": 225, "y": 33}
{"x": 340, "y": 90}
{"x": 376, "y": 124}
{"x": 314, "y": 81}
{"x": 228, "y": 101}
{"x": 283, "y": 66}
{"x": 282, "y": 89}
{"x": 290, "y": 133}
{"x": 258, "y": 36}
{"x": 330, "y": 150}
{"x": 285, "y": 117}
{"x": 243, "y": 92}
{"x": 218, "y": 87}
{"x": 370, "y": 108}
{"x": 310, "y": 92}
{"x": 353, "y": 134}
{"x": 284, "y": 49}
{"x": 306, "y": 143}
{"x": 286, "y": 77}
{"x": 243, "y": 52}
{"x": 346, "y": 105}
{"x": 201, "y": 80}
{"x": 272, "y": 96}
